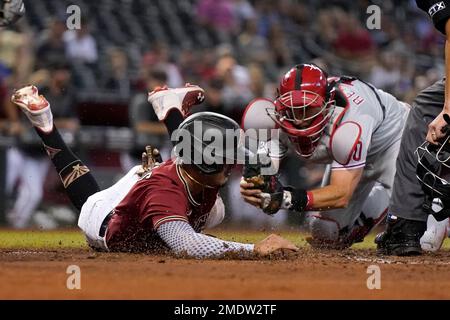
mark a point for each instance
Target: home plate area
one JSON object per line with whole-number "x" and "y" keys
{"x": 59, "y": 265}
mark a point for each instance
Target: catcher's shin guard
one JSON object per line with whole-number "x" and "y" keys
{"x": 324, "y": 233}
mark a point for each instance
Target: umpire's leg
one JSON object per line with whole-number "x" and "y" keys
{"x": 406, "y": 219}
{"x": 407, "y": 195}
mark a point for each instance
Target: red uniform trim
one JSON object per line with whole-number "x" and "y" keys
{"x": 355, "y": 166}
{"x": 168, "y": 219}
{"x": 248, "y": 108}
{"x": 310, "y": 202}
{"x": 318, "y": 216}
{"x": 339, "y": 118}
{"x": 354, "y": 144}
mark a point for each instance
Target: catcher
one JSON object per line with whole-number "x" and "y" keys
{"x": 345, "y": 123}
{"x": 154, "y": 207}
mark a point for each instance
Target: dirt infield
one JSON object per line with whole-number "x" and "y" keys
{"x": 41, "y": 274}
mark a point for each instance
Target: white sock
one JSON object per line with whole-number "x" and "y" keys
{"x": 42, "y": 119}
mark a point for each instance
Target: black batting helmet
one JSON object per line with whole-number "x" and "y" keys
{"x": 209, "y": 141}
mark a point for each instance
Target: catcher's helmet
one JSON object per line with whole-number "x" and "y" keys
{"x": 433, "y": 173}
{"x": 10, "y": 11}
{"x": 304, "y": 106}
{"x": 211, "y": 142}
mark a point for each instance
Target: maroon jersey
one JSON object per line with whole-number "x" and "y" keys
{"x": 159, "y": 198}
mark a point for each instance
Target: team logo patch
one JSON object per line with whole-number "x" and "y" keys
{"x": 52, "y": 152}
{"x": 73, "y": 173}
{"x": 436, "y": 8}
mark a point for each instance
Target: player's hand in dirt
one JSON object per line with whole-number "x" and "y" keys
{"x": 273, "y": 244}
{"x": 151, "y": 158}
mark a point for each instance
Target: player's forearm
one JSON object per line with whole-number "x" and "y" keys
{"x": 447, "y": 75}
{"x": 329, "y": 197}
{"x": 182, "y": 239}
{"x": 296, "y": 199}
{"x": 339, "y": 191}
{"x": 447, "y": 68}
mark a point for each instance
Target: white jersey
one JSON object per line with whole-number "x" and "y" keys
{"x": 366, "y": 133}
{"x": 358, "y": 134}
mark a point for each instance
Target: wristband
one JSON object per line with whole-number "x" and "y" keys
{"x": 287, "y": 200}
{"x": 310, "y": 201}
{"x": 298, "y": 199}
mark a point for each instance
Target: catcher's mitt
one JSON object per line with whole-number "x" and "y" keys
{"x": 272, "y": 189}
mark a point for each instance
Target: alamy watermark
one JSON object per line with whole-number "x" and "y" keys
{"x": 73, "y": 21}
{"x": 374, "y": 280}
{"x": 212, "y": 146}
{"x": 373, "y": 22}
{"x": 73, "y": 281}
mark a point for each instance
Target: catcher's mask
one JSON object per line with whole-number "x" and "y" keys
{"x": 304, "y": 106}
{"x": 433, "y": 173}
{"x": 215, "y": 142}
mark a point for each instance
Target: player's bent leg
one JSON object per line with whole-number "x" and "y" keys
{"x": 101, "y": 205}
{"x": 325, "y": 232}
{"x": 75, "y": 176}
{"x": 435, "y": 234}
{"x": 374, "y": 211}
{"x": 340, "y": 228}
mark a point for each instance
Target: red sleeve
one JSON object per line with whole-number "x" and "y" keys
{"x": 163, "y": 201}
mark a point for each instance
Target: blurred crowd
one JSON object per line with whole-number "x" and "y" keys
{"x": 235, "y": 49}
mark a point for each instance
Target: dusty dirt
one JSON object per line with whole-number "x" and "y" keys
{"x": 41, "y": 274}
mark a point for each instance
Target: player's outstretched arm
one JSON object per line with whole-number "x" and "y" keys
{"x": 335, "y": 195}
{"x": 183, "y": 240}
{"x": 340, "y": 190}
